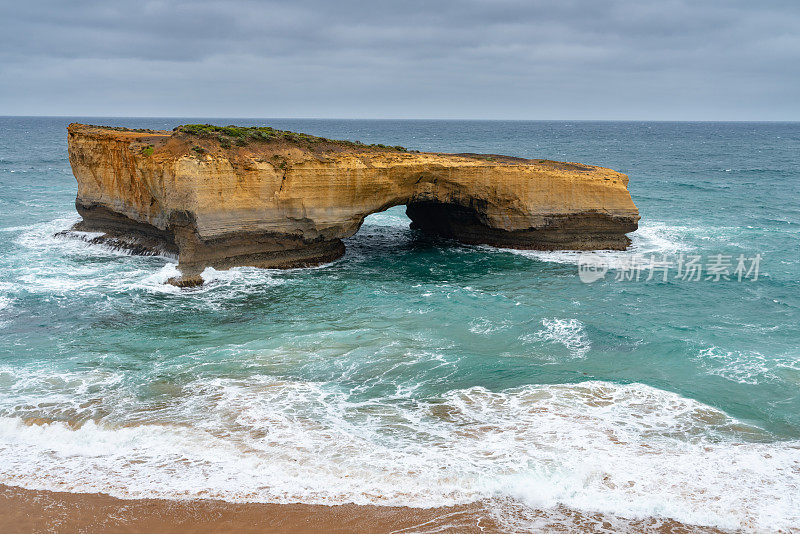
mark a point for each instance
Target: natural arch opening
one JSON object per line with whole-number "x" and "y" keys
{"x": 435, "y": 219}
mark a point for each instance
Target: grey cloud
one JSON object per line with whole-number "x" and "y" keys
{"x": 673, "y": 59}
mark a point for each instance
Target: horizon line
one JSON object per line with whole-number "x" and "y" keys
{"x": 394, "y": 119}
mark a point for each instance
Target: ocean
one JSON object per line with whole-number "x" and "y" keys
{"x": 416, "y": 371}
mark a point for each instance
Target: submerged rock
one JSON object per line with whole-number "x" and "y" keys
{"x": 228, "y": 196}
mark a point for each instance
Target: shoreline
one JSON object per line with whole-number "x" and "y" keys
{"x": 24, "y": 510}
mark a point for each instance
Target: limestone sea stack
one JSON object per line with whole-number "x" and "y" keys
{"x": 229, "y": 196}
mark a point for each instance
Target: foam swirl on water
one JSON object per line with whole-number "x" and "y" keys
{"x": 567, "y": 332}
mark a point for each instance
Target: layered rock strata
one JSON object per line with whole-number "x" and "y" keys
{"x": 225, "y": 197}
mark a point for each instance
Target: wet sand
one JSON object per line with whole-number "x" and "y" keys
{"x": 25, "y": 511}
{"x": 43, "y": 511}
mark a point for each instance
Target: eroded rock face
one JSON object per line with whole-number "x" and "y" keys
{"x": 282, "y": 203}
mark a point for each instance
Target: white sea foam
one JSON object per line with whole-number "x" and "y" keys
{"x": 484, "y": 326}
{"x": 567, "y": 332}
{"x": 745, "y": 367}
{"x": 395, "y": 217}
{"x": 41, "y": 238}
{"x": 652, "y": 238}
{"x": 243, "y": 275}
{"x": 57, "y": 265}
{"x": 628, "y": 450}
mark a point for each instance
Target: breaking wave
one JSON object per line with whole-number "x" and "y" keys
{"x": 626, "y": 450}
{"x": 652, "y": 238}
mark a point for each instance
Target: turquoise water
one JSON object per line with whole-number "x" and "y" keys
{"x": 417, "y": 371}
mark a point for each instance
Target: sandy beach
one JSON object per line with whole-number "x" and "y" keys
{"x": 26, "y": 511}
{"x": 44, "y": 511}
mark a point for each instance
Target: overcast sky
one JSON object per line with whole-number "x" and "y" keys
{"x": 486, "y": 59}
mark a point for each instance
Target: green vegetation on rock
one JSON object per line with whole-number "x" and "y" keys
{"x": 242, "y": 135}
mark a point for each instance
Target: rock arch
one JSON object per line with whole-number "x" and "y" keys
{"x": 289, "y": 202}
